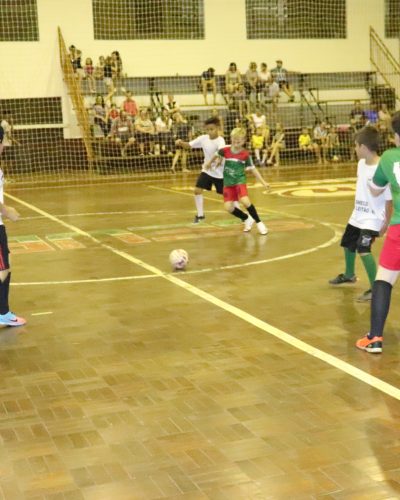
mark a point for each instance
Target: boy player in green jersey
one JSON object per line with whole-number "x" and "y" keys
{"x": 387, "y": 173}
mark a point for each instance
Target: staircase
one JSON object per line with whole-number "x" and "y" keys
{"x": 384, "y": 62}
{"x": 76, "y": 96}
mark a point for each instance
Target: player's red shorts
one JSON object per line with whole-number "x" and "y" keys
{"x": 234, "y": 193}
{"x": 390, "y": 254}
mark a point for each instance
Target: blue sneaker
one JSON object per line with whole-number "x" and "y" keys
{"x": 10, "y": 319}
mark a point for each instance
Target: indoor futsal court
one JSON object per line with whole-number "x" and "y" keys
{"x": 236, "y": 377}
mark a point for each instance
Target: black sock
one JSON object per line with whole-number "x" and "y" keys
{"x": 239, "y": 214}
{"x": 381, "y": 293}
{"x": 4, "y": 290}
{"x": 253, "y": 212}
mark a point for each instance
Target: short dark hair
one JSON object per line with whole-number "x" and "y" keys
{"x": 396, "y": 122}
{"x": 214, "y": 120}
{"x": 369, "y": 137}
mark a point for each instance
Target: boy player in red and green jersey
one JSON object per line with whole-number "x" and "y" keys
{"x": 388, "y": 172}
{"x": 237, "y": 161}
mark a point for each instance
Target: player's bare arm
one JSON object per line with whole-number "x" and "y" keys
{"x": 9, "y": 212}
{"x": 183, "y": 144}
{"x": 388, "y": 216}
{"x": 260, "y": 178}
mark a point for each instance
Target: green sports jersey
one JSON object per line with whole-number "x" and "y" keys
{"x": 388, "y": 172}
{"x": 235, "y": 165}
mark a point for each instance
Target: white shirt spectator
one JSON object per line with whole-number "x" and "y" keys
{"x": 7, "y": 132}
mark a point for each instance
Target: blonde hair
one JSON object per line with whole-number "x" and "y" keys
{"x": 238, "y": 132}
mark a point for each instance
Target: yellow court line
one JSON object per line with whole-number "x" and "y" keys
{"x": 341, "y": 365}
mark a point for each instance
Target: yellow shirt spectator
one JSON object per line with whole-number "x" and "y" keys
{"x": 304, "y": 140}
{"x": 257, "y": 141}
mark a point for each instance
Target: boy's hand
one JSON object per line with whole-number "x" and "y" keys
{"x": 10, "y": 213}
{"x": 178, "y": 142}
{"x": 383, "y": 230}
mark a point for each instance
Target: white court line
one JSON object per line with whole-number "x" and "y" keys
{"x": 45, "y": 313}
{"x": 341, "y": 365}
{"x": 80, "y": 282}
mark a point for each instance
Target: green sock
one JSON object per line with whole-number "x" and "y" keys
{"x": 350, "y": 258}
{"x": 370, "y": 266}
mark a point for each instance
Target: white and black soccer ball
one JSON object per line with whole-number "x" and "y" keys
{"x": 178, "y": 259}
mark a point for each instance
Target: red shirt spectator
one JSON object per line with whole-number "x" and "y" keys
{"x": 129, "y": 105}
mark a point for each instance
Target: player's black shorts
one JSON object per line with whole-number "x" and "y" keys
{"x": 205, "y": 181}
{"x": 358, "y": 239}
{"x": 4, "y": 250}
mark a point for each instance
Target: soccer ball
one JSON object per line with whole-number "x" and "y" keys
{"x": 178, "y": 259}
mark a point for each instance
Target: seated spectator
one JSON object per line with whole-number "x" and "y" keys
{"x": 101, "y": 115}
{"x": 272, "y": 96}
{"x": 264, "y": 76}
{"x": 122, "y": 132}
{"x": 358, "y": 115}
{"x": 145, "y": 132}
{"x": 6, "y": 123}
{"x": 72, "y": 54}
{"x": 216, "y": 114}
{"x": 208, "y": 82}
{"x": 231, "y": 118}
{"x": 233, "y": 79}
{"x": 259, "y": 120}
{"x": 320, "y": 135}
{"x": 88, "y": 74}
{"x": 171, "y": 105}
{"x": 252, "y": 83}
{"x": 80, "y": 73}
{"x": 257, "y": 143}
{"x": 281, "y": 76}
{"x": 371, "y": 115}
{"x": 116, "y": 64}
{"x": 306, "y": 144}
{"x": 113, "y": 112}
{"x": 163, "y": 125}
{"x": 239, "y": 100}
{"x": 99, "y": 69}
{"x": 129, "y": 105}
{"x": 384, "y": 115}
{"x": 108, "y": 73}
{"x": 278, "y": 143}
{"x": 332, "y": 144}
{"x": 181, "y": 130}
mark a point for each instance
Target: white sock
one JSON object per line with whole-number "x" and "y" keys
{"x": 198, "y": 199}
{"x": 236, "y": 204}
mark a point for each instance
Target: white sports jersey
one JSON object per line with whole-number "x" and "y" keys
{"x": 7, "y": 132}
{"x": 259, "y": 121}
{"x": 369, "y": 210}
{"x": 1, "y": 192}
{"x": 209, "y": 147}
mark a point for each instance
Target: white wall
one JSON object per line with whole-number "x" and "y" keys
{"x": 32, "y": 69}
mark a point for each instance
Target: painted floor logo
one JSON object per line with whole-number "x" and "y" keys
{"x": 322, "y": 190}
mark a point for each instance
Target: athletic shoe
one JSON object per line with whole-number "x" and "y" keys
{"x": 341, "y": 278}
{"x": 373, "y": 345}
{"x": 198, "y": 218}
{"x": 10, "y": 319}
{"x": 365, "y": 297}
{"x": 262, "y": 229}
{"x": 248, "y": 224}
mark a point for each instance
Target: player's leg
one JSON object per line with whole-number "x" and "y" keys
{"x": 257, "y": 155}
{"x": 184, "y": 161}
{"x": 204, "y": 181}
{"x": 388, "y": 272}
{"x": 6, "y": 316}
{"x": 364, "y": 244}
{"x": 349, "y": 244}
{"x": 254, "y": 217}
{"x": 231, "y": 203}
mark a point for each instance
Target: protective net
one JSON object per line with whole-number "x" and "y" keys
{"x": 95, "y": 89}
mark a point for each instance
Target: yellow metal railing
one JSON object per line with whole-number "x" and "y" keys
{"x": 76, "y": 96}
{"x": 384, "y": 62}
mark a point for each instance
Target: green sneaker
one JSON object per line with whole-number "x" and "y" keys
{"x": 342, "y": 278}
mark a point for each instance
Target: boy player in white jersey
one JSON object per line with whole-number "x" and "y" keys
{"x": 210, "y": 143}
{"x": 370, "y": 217}
{"x": 6, "y": 316}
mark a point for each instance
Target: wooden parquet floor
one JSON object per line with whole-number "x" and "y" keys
{"x": 125, "y": 384}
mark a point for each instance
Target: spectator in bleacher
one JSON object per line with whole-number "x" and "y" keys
{"x": 163, "y": 125}
{"x": 252, "y": 83}
{"x": 99, "y": 69}
{"x": 231, "y": 120}
{"x": 239, "y": 100}
{"x": 258, "y": 120}
{"x": 88, "y": 70}
{"x": 272, "y": 97}
{"x": 320, "y": 135}
{"x": 306, "y": 144}
{"x": 6, "y": 124}
{"x": 181, "y": 130}
{"x": 171, "y": 105}
{"x": 264, "y": 76}
{"x": 233, "y": 79}
{"x": 257, "y": 144}
{"x": 216, "y": 114}
{"x": 332, "y": 143}
{"x": 116, "y": 64}
{"x": 129, "y": 105}
{"x": 101, "y": 115}
{"x": 122, "y": 132}
{"x": 358, "y": 115}
{"x": 72, "y": 56}
{"x": 384, "y": 115}
{"x": 145, "y": 132}
{"x": 108, "y": 73}
{"x": 79, "y": 71}
{"x": 281, "y": 76}
{"x": 277, "y": 144}
{"x": 371, "y": 115}
{"x": 208, "y": 82}
{"x": 113, "y": 112}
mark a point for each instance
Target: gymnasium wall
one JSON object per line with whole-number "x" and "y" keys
{"x": 32, "y": 69}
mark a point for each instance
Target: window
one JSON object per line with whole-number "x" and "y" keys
{"x": 392, "y": 18}
{"x": 19, "y": 21}
{"x": 296, "y": 19}
{"x": 148, "y": 19}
